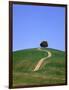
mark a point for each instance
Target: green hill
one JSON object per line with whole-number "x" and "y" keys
{"x": 52, "y": 71}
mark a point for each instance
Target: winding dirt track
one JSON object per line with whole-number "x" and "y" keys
{"x": 42, "y": 59}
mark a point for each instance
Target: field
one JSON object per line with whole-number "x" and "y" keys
{"x": 52, "y": 70}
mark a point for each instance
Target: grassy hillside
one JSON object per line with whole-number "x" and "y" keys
{"x": 52, "y": 70}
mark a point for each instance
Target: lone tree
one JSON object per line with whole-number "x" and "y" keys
{"x": 44, "y": 44}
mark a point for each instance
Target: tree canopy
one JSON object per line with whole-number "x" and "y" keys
{"x": 44, "y": 44}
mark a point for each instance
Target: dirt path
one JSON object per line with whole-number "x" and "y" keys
{"x": 42, "y": 59}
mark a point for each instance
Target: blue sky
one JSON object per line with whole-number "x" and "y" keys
{"x": 33, "y": 24}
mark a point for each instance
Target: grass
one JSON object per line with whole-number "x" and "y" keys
{"x": 52, "y": 70}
